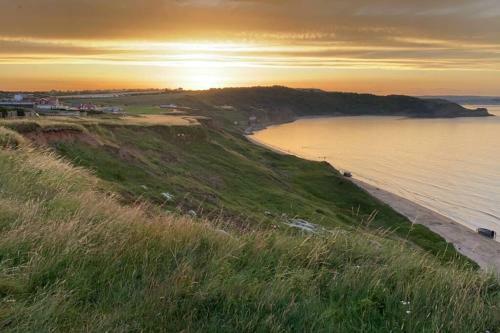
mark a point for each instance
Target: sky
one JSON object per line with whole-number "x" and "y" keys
{"x": 415, "y": 47}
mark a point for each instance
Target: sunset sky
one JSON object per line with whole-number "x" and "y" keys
{"x": 380, "y": 46}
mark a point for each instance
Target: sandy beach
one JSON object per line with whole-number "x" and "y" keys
{"x": 484, "y": 251}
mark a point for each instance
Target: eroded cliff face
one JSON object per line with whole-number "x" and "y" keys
{"x": 44, "y": 138}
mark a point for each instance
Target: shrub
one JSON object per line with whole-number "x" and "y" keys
{"x": 21, "y": 126}
{"x": 10, "y": 139}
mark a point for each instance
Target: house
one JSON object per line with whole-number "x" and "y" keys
{"x": 47, "y": 103}
{"x": 87, "y": 107}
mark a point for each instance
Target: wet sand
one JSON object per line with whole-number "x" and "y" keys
{"x": 484, "y": 251}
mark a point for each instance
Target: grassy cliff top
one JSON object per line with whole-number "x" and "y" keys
{"x": 219, "y": 175}
{"x": 73, "y": 258}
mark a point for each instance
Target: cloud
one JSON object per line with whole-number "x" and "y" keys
{"x": 360, "y": 20}
{"x": 48, "y": 47}
{"x": 320, "y": 36}
{"x": 395, "y": 53}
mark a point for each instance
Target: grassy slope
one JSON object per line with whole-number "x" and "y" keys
{"x": 73, "y": 259}
{"x": 220, "y": 174}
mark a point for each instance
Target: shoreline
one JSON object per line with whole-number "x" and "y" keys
{"x": 485, "y": 252}
{"x": 259, "y": 127}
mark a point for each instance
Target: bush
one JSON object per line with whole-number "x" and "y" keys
{"x": 10, "y": 139}
{"x": 21, "y": 126}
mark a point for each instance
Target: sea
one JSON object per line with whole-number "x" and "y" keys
{"x": 451, "y": 166}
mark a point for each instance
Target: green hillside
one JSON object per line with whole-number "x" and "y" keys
{"x": 93, "y": 243}
{"x": 220, "y": 175}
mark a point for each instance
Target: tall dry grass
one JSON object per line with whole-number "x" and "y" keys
{"x": 24, "y": 126}
{"x": 73, "y": 259}
{"x": 11, "y": 139}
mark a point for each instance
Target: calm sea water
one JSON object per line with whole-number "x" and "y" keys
{"x": 449, "y": 165}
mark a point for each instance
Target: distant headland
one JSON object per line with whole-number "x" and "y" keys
{"x": 267, "y": 105}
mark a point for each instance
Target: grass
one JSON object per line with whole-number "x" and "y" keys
{"x": 89, "y": 243}
{"x": 42, "y": 125}
{"x": 144, "y": 110}
{"x": 11, "y": 139}
{"x": 219, "y": 173}
{"x": 197, "y": 101}
{"x": 72, "y": 258}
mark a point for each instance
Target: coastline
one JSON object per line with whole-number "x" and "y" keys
{"x": 485, "y": 252}
{"x": 276, "y": 150}
{"x": 275, "y": 122}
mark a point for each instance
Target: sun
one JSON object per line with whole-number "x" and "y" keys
{"x": 201, "y": 76}
{"x": 202, "y": 81}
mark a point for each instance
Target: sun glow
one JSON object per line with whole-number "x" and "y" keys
{"x": 200, "y": 78}
{"x": 338, "y": 65}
